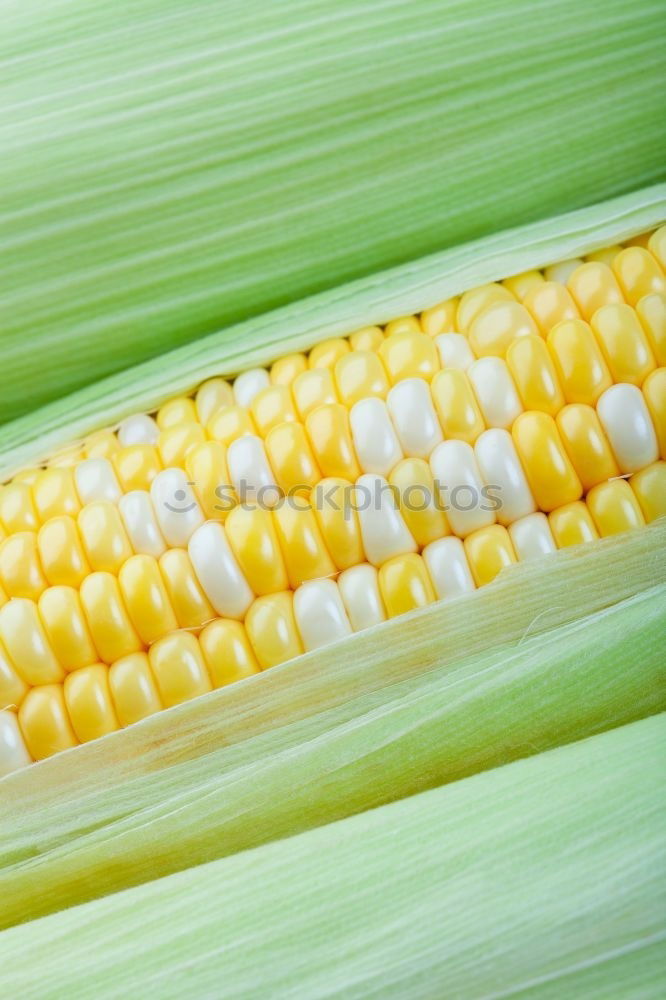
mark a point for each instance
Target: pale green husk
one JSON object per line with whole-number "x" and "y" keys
{"x": 555, "y": 650}
{"x": 407, "y": 289}
{"x": 171, "y": 167}
{"x": 542, "y": 879}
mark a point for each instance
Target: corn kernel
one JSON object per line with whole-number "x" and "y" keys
{"x": 21, "y": 573}
{"x": 572, "y": 525}
{"x": 367, "y": 339}
{"x": 89, "y": 703}
{"x": 534, "y": 374}
{"x": 405, "y": 584}
{"x": 586, "y": 445}
{"x": 253, "y": 539}
{"x": 338, "y": 521}
{"x": 313, "y": 389}
{"x": 186, "y": 596}
{"x": 45, "y": 723}
{"x": 329, "y": 434}
{"x": 522, "y": 285}
{"x": 285, "y": 370}
{"x": 110, "y": 626}
{"x": 489, "y": 550}
{"x": 549, "y": 471}
{"x": 271, "y": 629}
{"x": 496, "y": 328}
{"x": 227, "y": 651}
{"x": 133, "y": 689}
{"x": 17, "y": 510}
{"x": 104, "y": 538}
{"x": 623, "y": 343}
{"x": 477, "y": 300}
{"x": 413, "y": 480}
{"x": 27, "y": 644}
{"x": 291, "y": 458}
{"x": 206, "y": 467}
{"x": 271, "y": 407}
{"x": 326, "y": 354}
{"x": 579, "y": 363}
{"x": 54, "y": 493}
{"x": 441, "y": 318}
{"x": 136, "y": 466}
{"x": 146, "y": 598}
{"x": 305, "y": 554}
{"x": 562, "y": 270}
{"x": 456, "y": 406}
{"x": 403, "y": 324}
{"x": 649, "y": 486}
{"x": 211, "y": 396}
{"x": 179, "y": 668}
{"x": 592, "y": 286}
{"x": 360, "y": 374}
{"x": 657, "y": 246}
{"x": 651, "y": 311}
{"x": 229, "y": 423}
{"x": 101, "y": 444}
{"x": 654, "y": 393}
{"x": 550, "y": 304}
{"x": 13, "y": 688}
{"x": 66, "y": 628}
{"x": 61, "y": 552}
{"x": 180, "y": 410}
{"x": 175, "y": 442}
{"x": 320, "y": 614}
{"x": 638, "y": 274}
{"x": 409, "y": 355}
{"x": 614, "y": 508}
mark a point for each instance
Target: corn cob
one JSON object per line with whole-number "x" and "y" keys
{"x": 241, "y": 526}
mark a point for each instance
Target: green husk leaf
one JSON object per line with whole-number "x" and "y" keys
{"x": 543, "y": 878}
{"x": 169, "y": 169}
{"x": 553, "y": 651}
{"x": 407, "y": 289}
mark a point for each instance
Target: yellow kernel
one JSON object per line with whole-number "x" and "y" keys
{"x": 179, "y": 668}
{"x": 456, "y": 405}
{"x": 175, "y": 442}
{"x": 101, "y": 444}
{"x": 329, "y": 434}
{"x": 291, "y": 458}
{"x": 586, "y": 444}
{"x": 592, "y": 286}
{"x": 496, "y": 328}
{"x": 614, "y": 508}
{"x": 654, "y": 392}
{"x": 305, "y": 554}
{"x": 186, "y": 596}
{"x": 547, "y": 466}
{"x": 272, "y": 406}
{"x": 133, "y": 689}
{"x": 638, "y": 274}
{"x": 21, "y": 573}
{"x": 534, "y": 373}
{"x": 180, "y": 410}
{"x": 649, "y": 486}
{"x": 104, "y": 538}
{"x": 579, "y": 363}
{"x": 550, "y": 304}
{"x": 13, "y": 688}
{"x": 405, "y": 584}
{"x": 136, "y": 466}
{"x": 623, "y": 342}
{"x": 206, "y": 467}
{"x": 146, "y": 598}
{"x": 17, "y": 510}
{"x": 45, "y": 723}
{"x": 313, "y": 389}
{"x": 416, "y": 489}
{"x": 657, "y": 246}
{"x": 338, "y": 521}
{"x": 26, "y": 642}
{"x": 65, "y": 625}
{"x": 229, "y": 423}
{"x": 651, "y": 311}
{"x": 325, "y": 355}
{"x": 54, "y": 493}
{"x": 271, "y": 629}
{"x": 285, "y": 370}
{"x": 477, "y": 300}
{"x": 360, "y": 374}
{"x": 522, "y": 285}
{"x": 441, "y": 318}
{"x": 367, "y": 339}
{"x": 489, "y": 550}
{"x": 61, "y": 552}
{"x": 409, "y": 355}
{"x": 211, "y": 396}
{"x": 253, "y": 539}
{"x": 572, "y": 525}
{"x": 227, "y": 651}
{"x": 89, "y": 703}
{"x": 110, "y": 626}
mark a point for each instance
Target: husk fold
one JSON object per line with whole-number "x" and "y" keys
{"x": 542, "y": 879}
{"x": 553, "y": 651}
{"x": 172, "y": 168}
{"x": 376, "y": 299}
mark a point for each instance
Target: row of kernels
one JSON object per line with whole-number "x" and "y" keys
{"x": 95, "y": 700}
